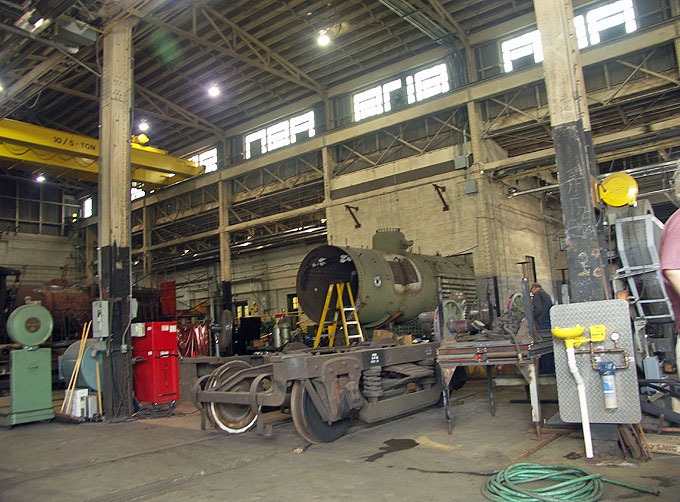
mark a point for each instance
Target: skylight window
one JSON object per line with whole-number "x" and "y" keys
{"x": 87, "y": 207}
{"x": 427, "y": 83}
{"x": 588, "y": 29}
{"x": 521, "y": 47}
{"x": 421, "y": 85}
{"x": 581, "y": 31}
{"x": 260, "y": 136}
{"x": 302, "y": 124}
{"x": 280, "y": 134}
{"x": 368, "y": 103}
{"x": 136, "y": 192}
{"x": 387, "y": 89}
{"x": 207, "y": 159}
{"x": 608, "y": 16}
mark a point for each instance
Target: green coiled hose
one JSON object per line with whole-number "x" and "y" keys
{"x": 569, "y": 483}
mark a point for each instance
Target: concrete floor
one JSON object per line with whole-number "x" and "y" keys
{"x": 172, "y": 459}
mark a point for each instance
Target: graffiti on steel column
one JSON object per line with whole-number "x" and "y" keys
{"x": 583, "y": 261}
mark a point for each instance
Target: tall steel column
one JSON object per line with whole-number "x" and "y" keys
{"x": 147, "y": 225}
{"x": 225, "y": 201}
{"x": 570, "y": 123}
{"x": 114, "y": 216}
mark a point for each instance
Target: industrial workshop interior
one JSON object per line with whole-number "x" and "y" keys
{"x": 346, "y": 250}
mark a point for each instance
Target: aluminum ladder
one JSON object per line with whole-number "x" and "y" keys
{"x": 346, "y": 314}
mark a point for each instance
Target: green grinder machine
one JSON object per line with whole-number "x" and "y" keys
{"x": 31, "y": 367}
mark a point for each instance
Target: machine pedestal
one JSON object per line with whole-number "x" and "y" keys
{"x": 31, "y": 387}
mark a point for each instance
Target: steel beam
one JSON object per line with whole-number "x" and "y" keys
{"x": 474, "y": 92}
{"x": 81, "y": 152}
{"x": 198, "y": 120}
{"x": 228, "y": 52}
{"x": 40, "y": 156}
{"x": 268, "y": 55}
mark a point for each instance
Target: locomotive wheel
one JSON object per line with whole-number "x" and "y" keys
{"x": 307, "y": 420}
{"x": 231, "y": 418}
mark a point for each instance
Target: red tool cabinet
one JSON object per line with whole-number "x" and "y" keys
{"x": 157, "y": 369}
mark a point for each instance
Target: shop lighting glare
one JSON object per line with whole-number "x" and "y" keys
{"x": 1, "y": 87}
{"x": 40, "y": 178}
{"x": 213, "y": 91}
{"x": 323, "y": 40}
{"x": 143, "y": 126}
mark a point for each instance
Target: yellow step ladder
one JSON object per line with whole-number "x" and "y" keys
{"x": 346, "y": 314}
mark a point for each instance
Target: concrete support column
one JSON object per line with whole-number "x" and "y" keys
{"x": 225, "y": 202}
{"x": 327, "y": 166}
{"x": 569, "y": 119}
{"x": 90, "y": 253}
{"x": 483, "y": 253}
{"x": 675, "y": 12}
{"x": 114, "y": 216}
{"x": 147, "y": 224}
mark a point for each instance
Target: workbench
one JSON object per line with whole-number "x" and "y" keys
{"x": 523, "y": 353}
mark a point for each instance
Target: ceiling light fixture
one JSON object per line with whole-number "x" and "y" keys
{"x": 143, "y": 125}
{"x": 323, "y": 40}
{"x": 40, "y": 178}
{"x": 213, "y": 91}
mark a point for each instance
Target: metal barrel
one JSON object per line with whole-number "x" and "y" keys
{"x": 87, "y": 376}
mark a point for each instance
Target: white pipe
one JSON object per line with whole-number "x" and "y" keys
{"x": 583, "y": 404}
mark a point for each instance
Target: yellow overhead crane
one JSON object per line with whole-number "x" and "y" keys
{"x": 33, "y": 144}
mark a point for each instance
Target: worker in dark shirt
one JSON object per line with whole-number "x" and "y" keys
{"x": 540, "y": 305}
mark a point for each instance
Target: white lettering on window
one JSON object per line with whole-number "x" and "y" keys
{"x": 302, "y": 123}
{"x": 421, "y": 85}
{"x": 87, "y": 207}
{"x": 251, "y": 138}
{"x": 581, "y": 32}
{"x": 522, "y": 46}
{"x": 207, "y": 159}
{"x": 136, "y": 193}
{"x": 588, "y": 29}
{"x": 368, "y": 103}
{"x": 280, "y": 134}
{"x": 431, "y": 81}
{"x": 386, "y": 90}
{"x": 410, "y": 90}
{"x": 608, "y": 16}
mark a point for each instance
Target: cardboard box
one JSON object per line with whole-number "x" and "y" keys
{"x": 379, "y": 334}
{"x": 78, "y": 403}
{"x": 404, "y": 340}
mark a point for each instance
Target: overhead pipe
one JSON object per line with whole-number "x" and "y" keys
{"x": 641, "y": 171}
